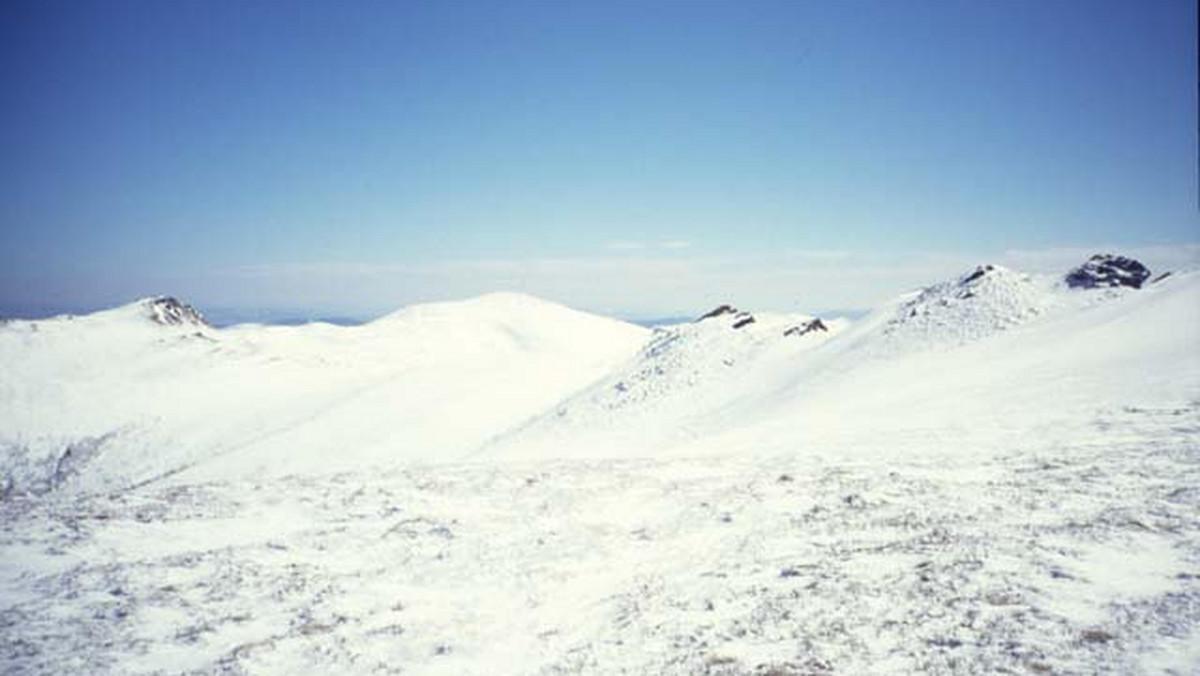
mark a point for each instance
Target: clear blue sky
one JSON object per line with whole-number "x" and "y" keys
{"x": 234, "y": 151}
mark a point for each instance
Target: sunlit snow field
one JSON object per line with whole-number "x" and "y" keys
{"x": 994, "y": 475}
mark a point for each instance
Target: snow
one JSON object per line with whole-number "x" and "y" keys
{"x": 997, "y": 474}
{"x": 149, "y": 399}
{"x": 1022, "y": 357}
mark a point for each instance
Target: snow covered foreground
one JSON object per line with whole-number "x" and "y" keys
{"x": 1002, "y": 486}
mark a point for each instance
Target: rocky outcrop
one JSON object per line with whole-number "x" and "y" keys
{"x": 976, "y": 275}
{"x": 807, "y": 327}
{"x": 740, "y": 319}
{"x": 743, "y": 319}
{"x": 717, "y": 312}
{"x": 1108, "y": 270}
{"x": 170, "y": 311}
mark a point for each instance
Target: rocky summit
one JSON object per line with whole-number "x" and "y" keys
{"x": 1106, "y": 270}
{"x": 168, "y": 310}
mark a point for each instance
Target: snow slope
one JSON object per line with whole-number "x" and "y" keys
{"x": 997, "y": 474}
{"x": 1044, "y": 369}
{"x": 1081, "y": 560}
{"x": 684, "y": 372}
{"x": 991, "y": 353}
{"x": 134, "y": 393}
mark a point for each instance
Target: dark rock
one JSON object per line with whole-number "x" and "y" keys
{"x": 740, "y": 318}
{"x": 168, "y": 311}
{"x": 717, "y": 312}
{"x": 1107, "y": 270}
{"x": 743, "y": 319}
{"x": 806, "y": 327}
{"x": 979, "y": 273}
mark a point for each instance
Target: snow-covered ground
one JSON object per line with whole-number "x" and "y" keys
{"x": 997, "y": 474}
{"x": 990, "y": 358}
{"x": 137, "y": 399}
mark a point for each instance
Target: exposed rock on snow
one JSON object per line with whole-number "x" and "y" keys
{"x": 977, "y": 274}
{"x": 1106, "y": 270}
{"x": 170, "y": 311}
{"x": 718, "y": 311}
{"x": 806, "y": 328}
{"x": 742, "y": 319}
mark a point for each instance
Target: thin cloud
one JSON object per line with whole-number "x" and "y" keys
{"x": 625, "y": 245}
{"x": 674, "y": 244}
{"x": 819, "y": 254}
{"x": 649, "y": 282}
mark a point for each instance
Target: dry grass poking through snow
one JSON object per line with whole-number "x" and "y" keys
{"x": 1080, "y": 559}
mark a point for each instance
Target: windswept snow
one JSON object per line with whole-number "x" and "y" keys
{"x": 987, "y": 300}
{"x": 992, "y": 356}
{"x": 996, "y": 474}
{"x": 684, "y": 371}
{"x": 148, "y": 398}
{"x": 1076, "y": 559}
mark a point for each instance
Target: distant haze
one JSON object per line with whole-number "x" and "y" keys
{"x": 644, "y": 289}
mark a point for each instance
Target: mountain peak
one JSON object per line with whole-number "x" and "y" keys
{"x": 980, "y": 302}
{"x": 170, "y": 311}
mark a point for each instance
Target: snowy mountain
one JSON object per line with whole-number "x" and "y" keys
{"x": 994, "y": 474}
{"x": 990, "y": 351}
{"x": 148, "y": 389}
{"x": 683, "y": 374}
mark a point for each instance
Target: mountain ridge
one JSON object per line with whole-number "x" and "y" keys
{"x": 511, "y": 375}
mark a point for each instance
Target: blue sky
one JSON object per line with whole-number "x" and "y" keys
{"x": 628, "y": 157}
